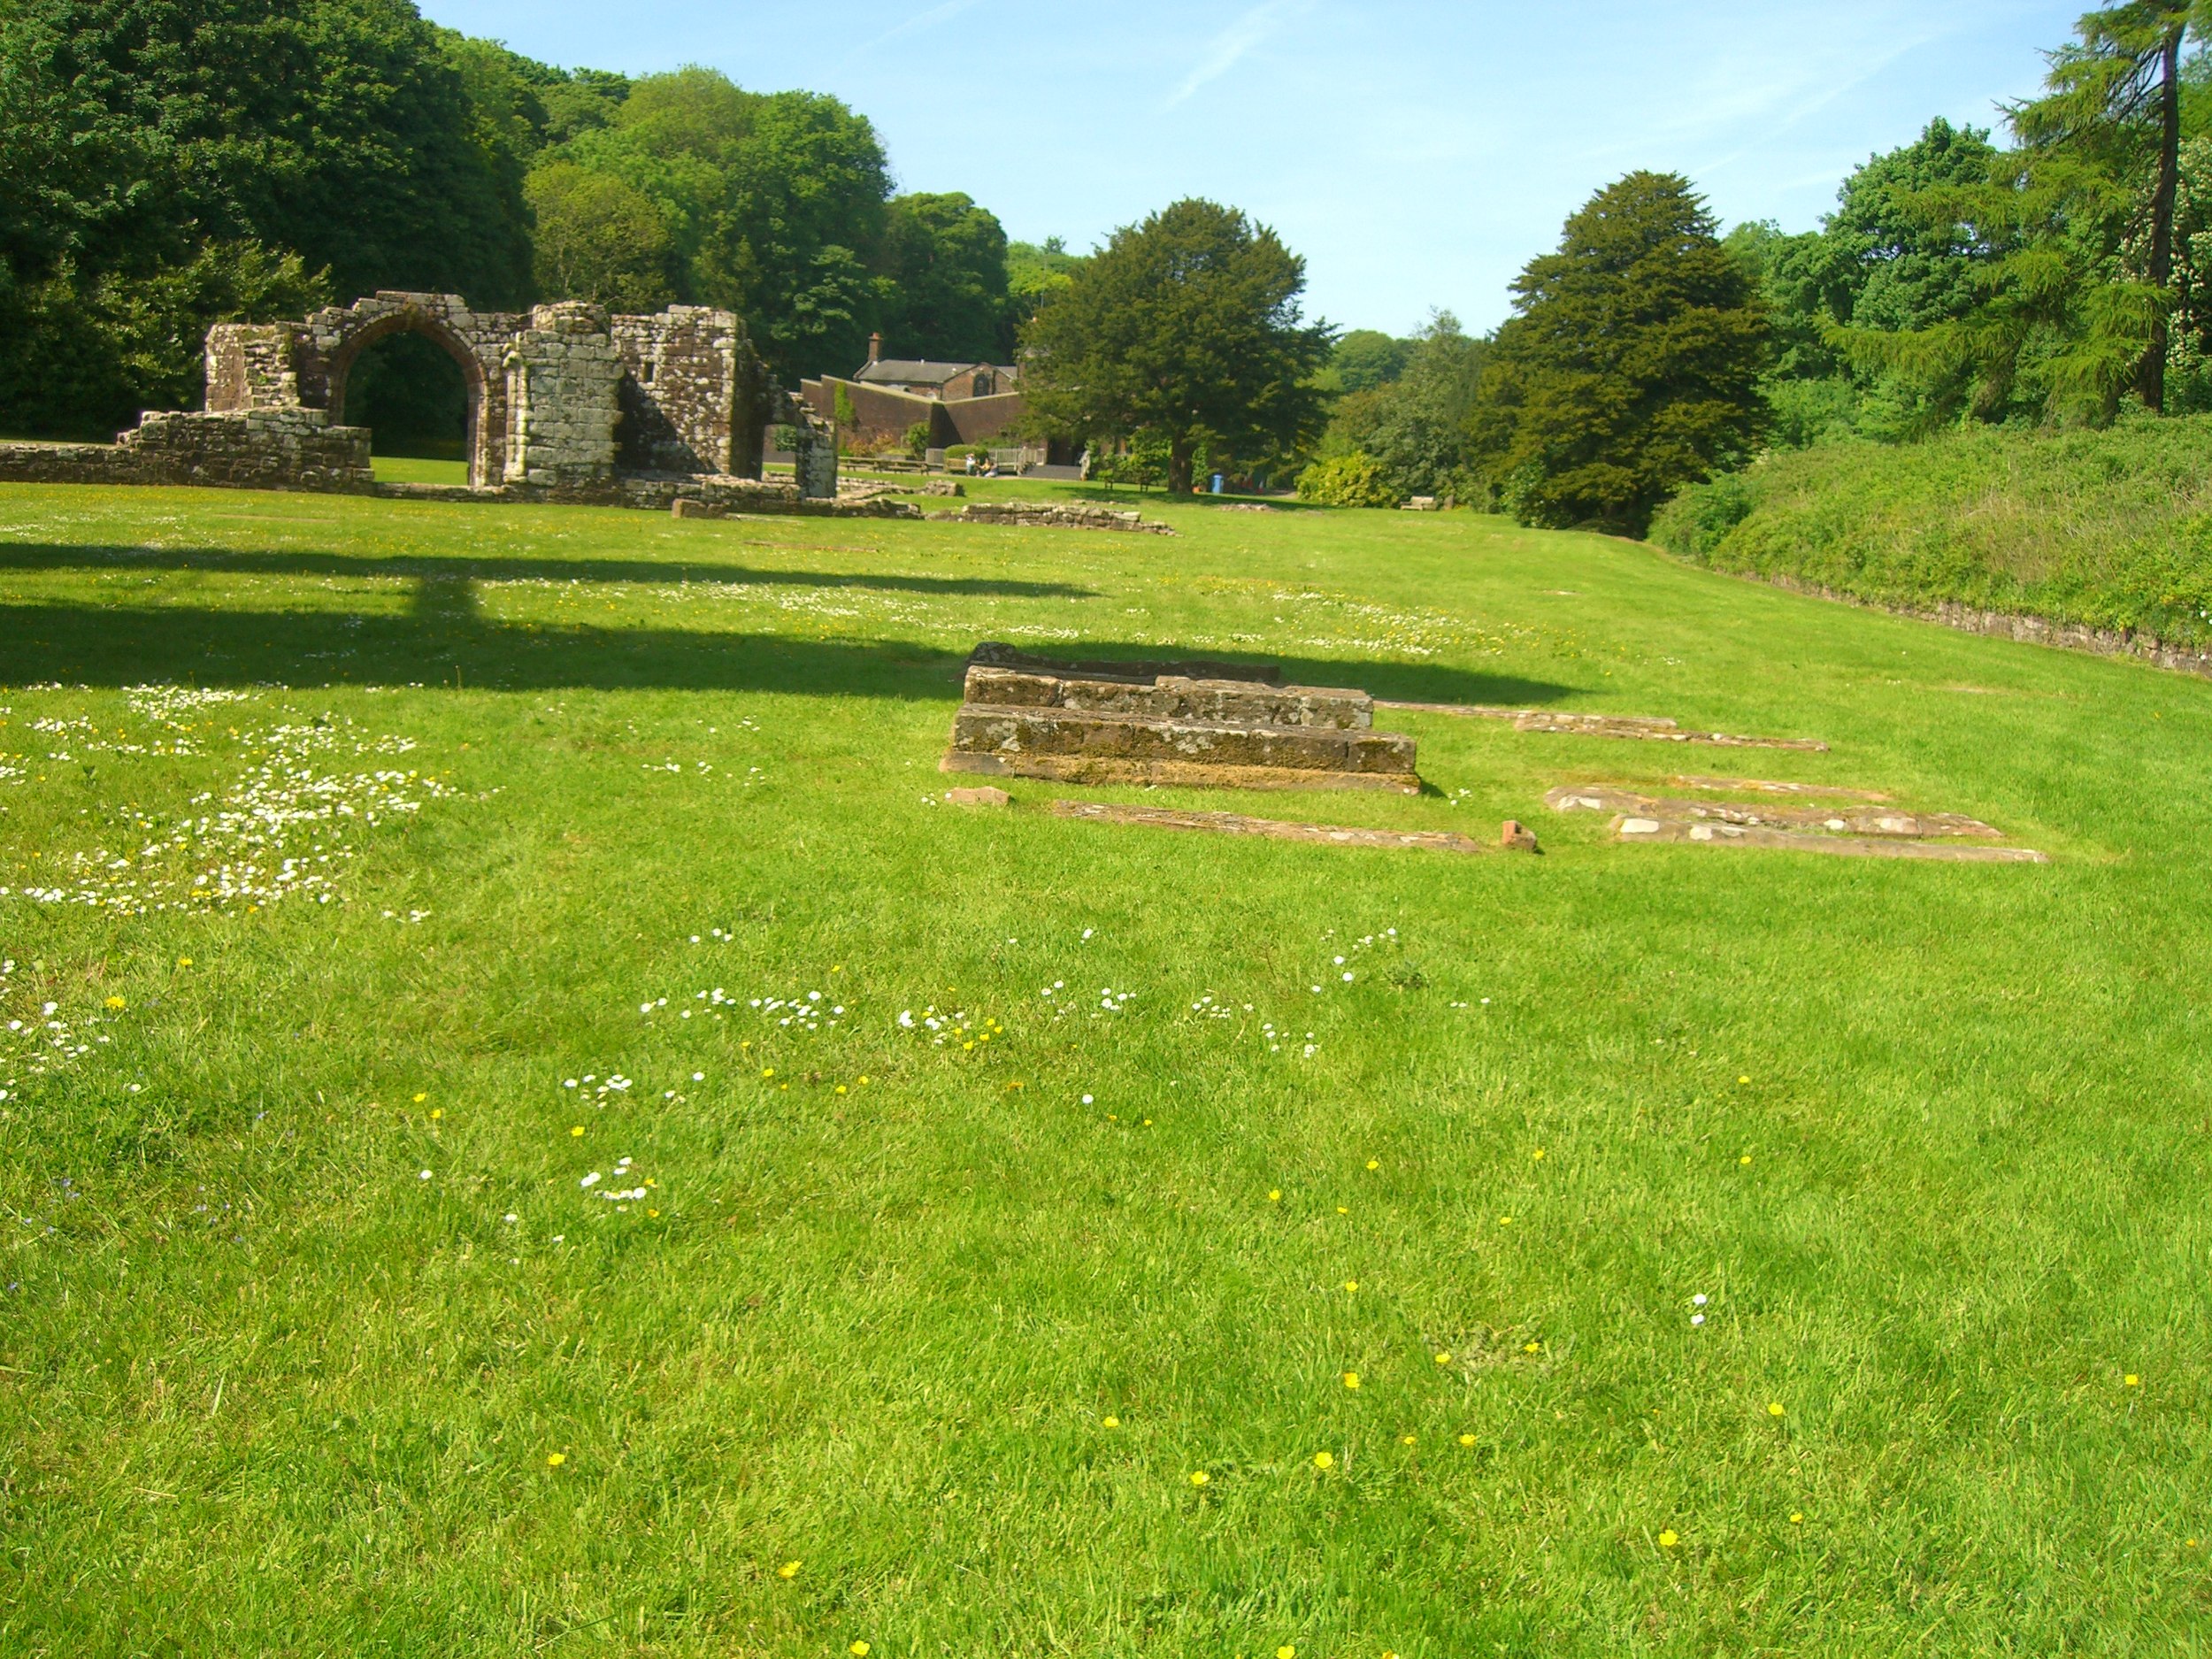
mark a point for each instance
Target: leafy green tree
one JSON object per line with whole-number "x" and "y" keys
{"x": 2114, "y": 100}
{"x": 599, "y": 238}
{"x": 944, "y": 279}
{"x": 162, "y": 157}
{"x": 1631, "y": 366}
{"x": 1366, "y": 359}
{"x": 1884, "y": 260}
{"x": 1357, "y": 479}
{"x": 1414, "y": 427}
{"x": 1034, "y": 271}
{"x": 1188, "y": 326}
{"x": 775, "y": 206}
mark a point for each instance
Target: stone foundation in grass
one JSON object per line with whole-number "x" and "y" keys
{"x": 1172, "y": 729}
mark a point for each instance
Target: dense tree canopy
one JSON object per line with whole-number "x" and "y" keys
{"x": 1187, "y": 326}
{"x": 944, "y": 285}
{"x": 168, "y": 164}
{"x": 1631, "y": 366}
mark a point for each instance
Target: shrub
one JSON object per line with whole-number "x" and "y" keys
{"x": 917, "y": 439}
{"x": 1694, "y": 521}
{"x": 1348, "y": 480}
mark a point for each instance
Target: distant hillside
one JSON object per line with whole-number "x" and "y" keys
{"x": 2109, "y": 530}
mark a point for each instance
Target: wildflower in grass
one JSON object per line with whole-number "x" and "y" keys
{"x": 1797, "y": 1517}
{"x": 859, "y": 1650}
{"x": 1342, "y": 1210}
{"x": 184, "y": 961}
{"x": 424, "y": 1175}
{"x": 437, "y": 1114}
{"x": 1532, "y": 1347}
{"x": 1405, "y": 1439}
{"x": 1505, "y": 1221}
{"x": 1466, "y": 1439}
{"x": 768, "y": 1071}
{"x": 1351, "y": 1379}
{"x": 1668, "y": 1541}
{"x": 789, "y": 1570}
{"x": 1274, "y": 1194}
{"x": 1443, "y": 1356}
{"x": 1538, "y": 1155}
{"x": 1112, "y": 1423}
{"x": 116, "y": 1002}
{"x": 1774, "y": 1410}
{"x": 1324, "y": 1460}
{"x": 1745, "y": 1159}
{"x": 1743, "y": 1079}
{"x": 2130, "y": 1381}
{"x": 1374, "y": 1164}
{"x": 1199, "y": 1477}
{"x": 420, "y": 1098}
{"x": 554, "y": 1459}
{"x": 1285, "y": 1652}
{"x": 577, "y": 1132}
{"x": 1351, "y": 1284}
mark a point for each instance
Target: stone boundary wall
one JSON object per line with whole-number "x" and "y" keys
{"x": 2003, "y": 625}
{"x": 276, "y": 449}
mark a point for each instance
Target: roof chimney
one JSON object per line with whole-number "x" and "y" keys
{"x": 875, "y": 348}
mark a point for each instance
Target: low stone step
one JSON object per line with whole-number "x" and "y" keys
{"x": 1091, "y": 747}
{"x": 1175, "y": 698}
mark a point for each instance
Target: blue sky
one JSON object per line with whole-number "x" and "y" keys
{"x": 1416, "y": 154}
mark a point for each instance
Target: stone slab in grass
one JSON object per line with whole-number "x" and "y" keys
{"x": 1858, "y": 820}
{"x": 1273, "y": 829}
{"x": 1707, "y": 834}
{"x": 1174, "y": 697}
{"x": 1047, "y": 742}
{"x": 1653, "y": 729}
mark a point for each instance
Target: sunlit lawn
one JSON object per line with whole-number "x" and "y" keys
{"x": 544, "y": 1219}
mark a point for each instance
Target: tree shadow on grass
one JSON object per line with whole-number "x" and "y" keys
{"x": 445, "y": 641}
{"x": 39, "y": 556}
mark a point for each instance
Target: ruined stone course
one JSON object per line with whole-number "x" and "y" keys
{"x": 1167, "y": 729}
{"x": 564, "y": 403}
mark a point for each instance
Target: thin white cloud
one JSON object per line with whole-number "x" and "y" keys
{"x": 916, "y": 24}
{"x": 1227, "y": 48}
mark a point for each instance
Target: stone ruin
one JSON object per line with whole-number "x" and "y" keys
{"x": 1159, "y": 723}
{"x": 564, "y": 403}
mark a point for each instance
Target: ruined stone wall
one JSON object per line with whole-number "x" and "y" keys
{"x": 249, "y": 365}
{"x": 692, "y": 393}
{"x": 264, "y": 449}
{"x": 563, "y": 376}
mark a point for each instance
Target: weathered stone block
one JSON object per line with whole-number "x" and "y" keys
{"x": 1174, "y": 697}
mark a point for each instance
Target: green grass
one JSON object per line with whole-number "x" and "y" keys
{"x": 2112, "y": 528}
{"x": 1932, "y": 1140}
{"x": 410, "y": 469}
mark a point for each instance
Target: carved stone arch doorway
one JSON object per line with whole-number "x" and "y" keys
{"x": 477, "y": 445}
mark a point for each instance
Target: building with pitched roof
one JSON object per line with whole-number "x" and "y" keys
{"x": 974, "y": 404}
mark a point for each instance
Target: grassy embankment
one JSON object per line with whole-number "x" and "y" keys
{"x": 313, "y": 1337}
{"x": 2111, "y": 529}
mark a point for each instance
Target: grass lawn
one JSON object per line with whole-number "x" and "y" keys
{"x": 487, "y": 1181}
{"x": 410, "y": 469}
